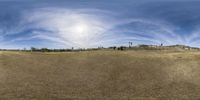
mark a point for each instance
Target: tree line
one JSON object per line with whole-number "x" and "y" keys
{"x": 121, "y": 48}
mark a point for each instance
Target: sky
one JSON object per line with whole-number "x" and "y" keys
{"x": 94, "y": 23}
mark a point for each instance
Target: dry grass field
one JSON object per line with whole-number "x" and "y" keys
{"x": 100, "y": 75}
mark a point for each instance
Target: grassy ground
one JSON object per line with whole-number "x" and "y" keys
{"x": 100, "y": 75}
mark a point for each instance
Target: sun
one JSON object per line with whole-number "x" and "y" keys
{"x": 80, "y": 33}
{"x": 81, "y": 28}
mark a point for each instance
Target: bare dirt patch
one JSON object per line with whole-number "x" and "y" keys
{"x": 100, "y": 75}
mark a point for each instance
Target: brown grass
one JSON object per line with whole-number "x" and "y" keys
{"x": 100, "y": 75}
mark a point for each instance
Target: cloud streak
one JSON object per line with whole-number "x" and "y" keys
{"x": 47, "y": 25}
{"x": 65, "y": 25}
{"x": 103, "y": 28}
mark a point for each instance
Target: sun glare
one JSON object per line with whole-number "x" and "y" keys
{"x": 81, "y": 28}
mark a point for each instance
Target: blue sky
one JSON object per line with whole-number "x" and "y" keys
{"x": 93, "y": 23}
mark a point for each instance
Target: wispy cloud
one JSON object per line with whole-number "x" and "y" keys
{"x": 102, "y": 28}
{"x": 92, "y": 25}
{"x": 59, "y": 25}
{"x": 63, "y": 24}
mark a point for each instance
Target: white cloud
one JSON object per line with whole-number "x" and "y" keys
{"x": 93, "y": 27}
{"x": 80, "y": 28}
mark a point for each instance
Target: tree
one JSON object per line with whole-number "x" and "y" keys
{"x": 161, "y": 44}
{"x": 33, "y": 49}
{"x": 45, "y": 50}
{"x": 130, "y": 44}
